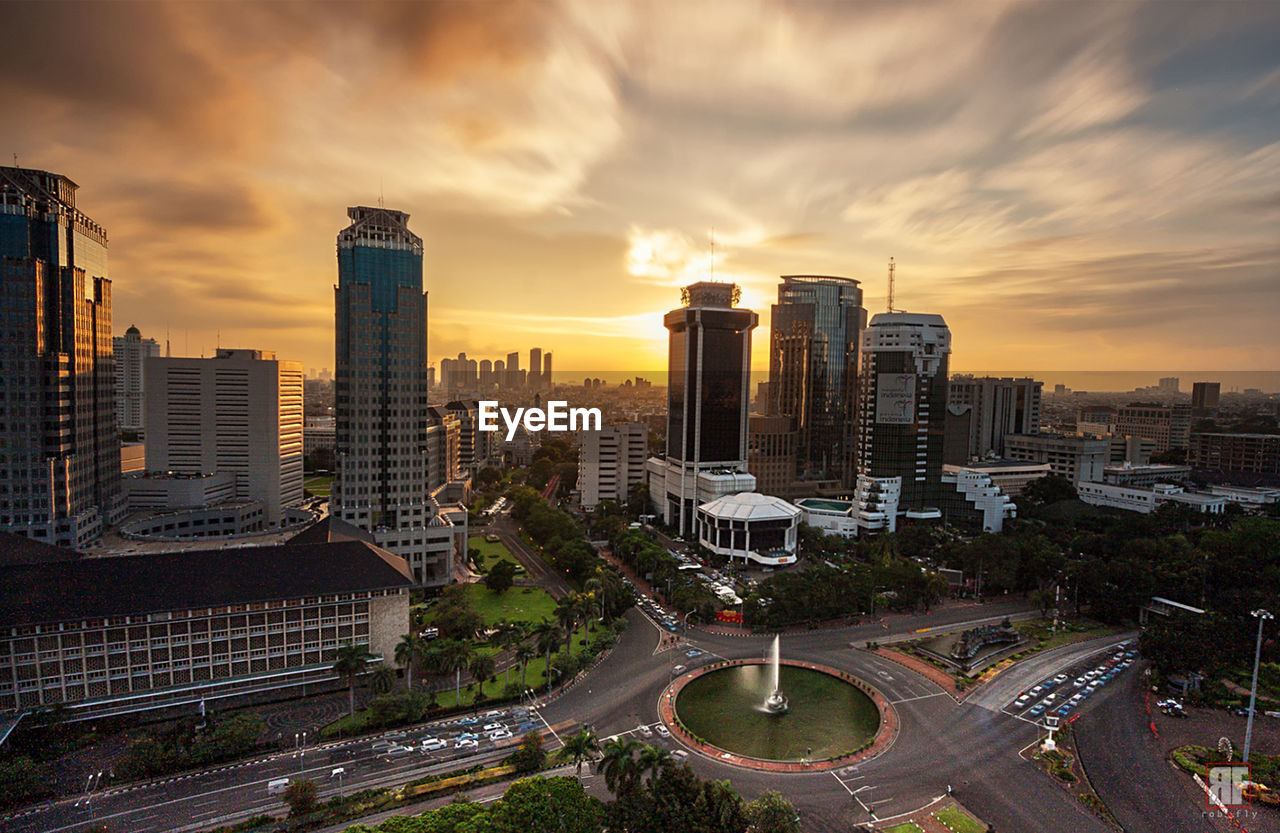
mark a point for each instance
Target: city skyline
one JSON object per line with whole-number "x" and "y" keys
{"x": 1107, "y": 176}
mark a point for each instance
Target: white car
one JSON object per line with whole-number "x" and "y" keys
{"x": 645, "y": 730}
{"x": 1023, "y": 700}
{"x": 1079, "y": 682}
{"x": 466, "y": 743}
{"x": 500, "y": 734}
{"x": 1061, "y": 678}
{"x": 662, "y": 730}
{"x": 492, "y": 727}
{"x": 398, "y": 749}
{"x": 432, "y": 744}
{"x": 382, "y": 745}
{"x": 1050, "y": 699}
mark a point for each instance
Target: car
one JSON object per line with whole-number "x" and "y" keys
{"x": 468, "y": 736}
{"x": 1037, "y": 709}
{"x": 644, "y": 730}
{"x": 1051, "y": 698}
{"x": 526, "y": 726}
{"x": 1078, "y": 682}
{"x": 399, "y": 749}
{"x": 1050, "y": 683}
{"x": 693, "y": 653}
{"x": 1037, "y": 690}
{"x": 679, "y": 669}
{"x": 680, "y": 755}
{"x": 432, "y": 744}
{"x": 468, "y": 721}
{"x": 382, "y": 745}
{"x": 1064, "y": 708}
{"x": 466, "y": 743}
{"x": 501, "y": 734}
{"x": 492, "y": 727}
{"x": 1023, "y": 700}
{"x": 663, "y": 730}
{"x": 1061, "y": 678}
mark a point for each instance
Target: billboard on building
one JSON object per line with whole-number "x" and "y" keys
{"x": 895, "y": 398}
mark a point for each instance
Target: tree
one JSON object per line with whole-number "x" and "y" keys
{"x": 524, "y": 653}
{"x": 301, "y": 798}
{"x": 452, "y": 656}
{"x": 722, "y": 807}
{"x": 547, "y": 638}
{"x": 348, "y": 663}
{"x": 1049, "y": 489}
{"x": 618, "y": 765}
{"x": 567, "y": 616}
{"x": 501, "y": 577}
{"x": 408, "y": 651}
{"x": 382, "y": 678}
{"x": 481, "y": 667}
{"x": 546, "y": 804}
{"x": 1044, "y": 599}
{"x": 532, "y": 755}
{"x": 578, "y": 747}
{"x": 771, "y": 813}
{"x": 589, "y": 607}
{"x": 653, "y": 760}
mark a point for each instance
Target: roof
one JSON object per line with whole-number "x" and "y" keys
{"x": 329, "y": 529}
{"x": 133, "y": 585}
{"x": 751, "y": 506}
{"x": 18, "y": 550}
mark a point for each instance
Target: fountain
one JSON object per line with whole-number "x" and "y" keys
{"x": 777, "y": 701}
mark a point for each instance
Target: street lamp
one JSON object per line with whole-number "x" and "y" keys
{"x": 338, "y": 772}
{"x": 1262, "y": 616}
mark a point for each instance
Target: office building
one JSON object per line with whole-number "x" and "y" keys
{"x": 1147, "y": 499}
{"x": 709, "y": 363}
{"x": 611, "y": 462}
{"x": 515, "y": 378}
{"x": 319, "y": 433}
{"x": 996, "y": 407}
{"x": 476, "y": 447}
{"x": 1012, "y": 476}
{"x": 771, "y": 453}
{"x": 535, "y": 368}
{"x": 815, "y": 331}
{"x": 59, "y": 445}
{"x": 381, "y": 394}
{"x": 760, "y": 529}
{"x": 1204, "y": 398}
{"x": 1253, "y": 454}
{"x": 546, "y": 371}
{"x": 444, "y": 447}
{"x": 1169, "y": 384}
{"x": 108, "y": 636}
{"x": 902, "y": 405}
{"x": 1168, "y": 425}
{"x": 130, "y": 351}
{"x": 239, "y": 414}
{"x": 1076, "y": 458}
{"x": 1145, "y": 475}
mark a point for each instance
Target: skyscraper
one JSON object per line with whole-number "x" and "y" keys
{"x": 546, "y": 371}
{"x": 130, "y": 351}
{"x": 59, "y": 446}
{"x": 535, "y": 368}
{"x": 902, "y": 393}
{"x": 1205, "y": 397}
{"x": 381, "y": 393}
{"x": 987, "y": 408}
{"x": 708, "y": 395}
{"x": 813, "y": 366}
{"x": 514, "y": 379}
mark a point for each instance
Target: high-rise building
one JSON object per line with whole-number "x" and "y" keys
{"x": 815, "y": 330}
{"x": 486, "y": 374}
{"x": 1168, "y": 425}
{"x": 59, "y": 445}
{"x": 1169, "y": 384}
{"x": 771, "y": 453}
{"x": 381, "y": 394}
{"x": 611, "y": 461}
{"x": 514, "y": 379}
{"x": 239, "y": 413}
{"x": 996, "y": 407}
{"x": 1204, "y": 398}
{"x": 546, "y": 371}
{"x": 1079, "y": 459}
{"x": 535, "y": 368}
{"x": 130, "y": 351}
{"x": 902, "y": 406}
{"x": 708, "y": 363}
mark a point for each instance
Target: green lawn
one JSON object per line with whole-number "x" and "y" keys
{"x": 491, "y": 552}
{"x": 959, "y": 821}
{"x": 318, "y": 486}
{"x": 519, "y": 604}
{"x": 905, "y": 827}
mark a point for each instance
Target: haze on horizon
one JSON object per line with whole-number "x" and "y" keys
{"x": 1071, "y": 185}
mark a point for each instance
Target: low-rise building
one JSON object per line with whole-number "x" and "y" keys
{"x": 971, "y": 495}
{"x": 832, "y": 516}
{"x": 1079, "y": 459}
{"x": 1240, "y": 453}
{"x": 1012, "y": 476}
{"x": 1148, "y": 475}
{"x": 1247, "y": 496}
{"x": 757, "y": 528}
{"x": 107, "y": 636}
{"x": 1148, "y": 499}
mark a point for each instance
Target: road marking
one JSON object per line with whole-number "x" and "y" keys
{"x": 843, "y": 784}
{"x": 912, "y": 812}
{"x": 549, "y": 729}
{"x": 921, "y": 697}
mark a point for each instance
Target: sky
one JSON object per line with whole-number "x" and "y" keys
{"x": 1072, "y": 185}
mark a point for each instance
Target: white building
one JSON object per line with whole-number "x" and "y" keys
{"x": 1079, "y": 459}
{"x": 239, "y": 413}
{"x": 758, "y": 528}
{"x": 1148, "y": 475}
{"x": 318, "y": 433}
{"x": 1012, "y": 476}
{"x": 833, "y": 517}
{"x": 970, "y": 494}
{"x": 131, "y": 350}
{"x": 1147, "y": 500}
{"x": 1248, "y": 496}
{"x": 611, "y": 461}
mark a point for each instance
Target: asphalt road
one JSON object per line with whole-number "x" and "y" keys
{"x": 971, "y": 747}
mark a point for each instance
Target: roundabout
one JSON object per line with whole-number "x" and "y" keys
{"x": 728, "y": 711}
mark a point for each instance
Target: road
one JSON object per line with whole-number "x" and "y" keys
{"x": 971, "y": 747}
{"x": 506, "y": 528}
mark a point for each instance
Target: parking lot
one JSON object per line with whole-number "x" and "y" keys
{"x": 1067, "y": 691}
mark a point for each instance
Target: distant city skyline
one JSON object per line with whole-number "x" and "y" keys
{"x": 1077, "y": 185}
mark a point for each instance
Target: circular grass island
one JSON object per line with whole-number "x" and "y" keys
{"x": 829, "y": 716}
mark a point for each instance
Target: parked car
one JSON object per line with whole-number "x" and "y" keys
{"x": 492, "y": 727}
{"x": 1079, "y": 682}
{"x": 663, "y": 730}
{"x": 1061, "y": 678}
{"x": 501, "y": 734}
{"x": 1037, "y": 709}
{"x": 466, "y": 743}
{"x": 1023, "y": 700}
{"x": 382, "y": 745}
{"x": 432, "y": 744}
{"x": 645, "y": 730}
{"x": 679, "y": 669}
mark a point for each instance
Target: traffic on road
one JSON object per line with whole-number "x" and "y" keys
{"x": 1065, "y": 692}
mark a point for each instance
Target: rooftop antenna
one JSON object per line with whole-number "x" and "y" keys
{"x": 891, "y": 271}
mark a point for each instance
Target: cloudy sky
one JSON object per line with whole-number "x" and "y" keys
{"x": 1071, "y": 184}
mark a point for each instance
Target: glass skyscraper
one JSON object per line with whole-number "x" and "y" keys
{"x": 380, "y": 441}
{"x": 815, "y": 330}
{"x": 59, "y": 446}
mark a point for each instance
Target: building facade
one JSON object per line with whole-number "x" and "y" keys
{"x": 997, "y": 407}
{"x": 1076, "y": 458}
{"x": 239, "y": 413}
{"x": 59, "y": 444}
{"x": 815, "y": 333}
{"x": 1168, "y": 425}
{"x": 105, "y": 636}
{"x": 130, "y": 351}
{"x": 771, "y": 453}
{"x": 901, "y": 427}
{"x": 709, "y": 364}
{"x": 381, "y": 394}
{"x": 1204, "y": 398}
{"x": 1239, "y": 453}
{"x": 611, "y": 462}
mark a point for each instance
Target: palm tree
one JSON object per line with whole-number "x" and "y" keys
{"x": 506, "y": 635}
{"x": 348, "y": 663}
{"x": 588, "y": 606}
{"x": 481, "y": 668}
{"x": 524, "y": 653}
{"x": 382, "y": 678}
{"x": 579, "y": 746}
{"x": 618, "y": 763}
{"x": 567, "y": 616}
{"x": 408, "y": 651}
{"x": 547, "y": 637}
{"x": 454, "y": 655}
{"x": 653, "y": 759}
